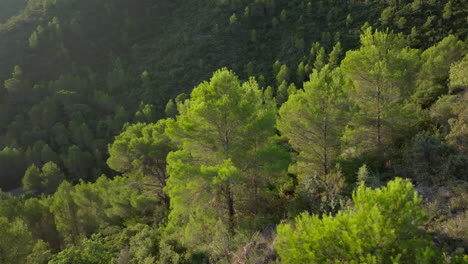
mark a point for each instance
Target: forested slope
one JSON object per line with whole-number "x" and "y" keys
{"x": 321, "y": 105}
{"x": 100, "y": 59}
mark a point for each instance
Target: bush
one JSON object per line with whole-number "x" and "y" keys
{"x": 381, "y": 227}
{"x": 430, "y": 161}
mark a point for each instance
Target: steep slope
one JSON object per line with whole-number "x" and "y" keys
{"x": 86, "y": 65}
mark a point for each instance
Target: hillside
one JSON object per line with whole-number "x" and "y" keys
{"x": 186, "y": 131}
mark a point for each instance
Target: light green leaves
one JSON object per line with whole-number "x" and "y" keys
{"x": 314, "y": 119}
{"x": 381, "y": 227}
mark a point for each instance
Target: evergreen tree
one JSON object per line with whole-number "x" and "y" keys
{"x": 146, "y": 113}
{"x": 382, "y": 71}
{"x": 459, "y": 75}
{"x": 433, "y": 76}
{"x": 321, "y": 59}
{"x": 335, "y": 56}
{"x": 314, "y": 119}
{"x": 32, "y": 180}
{"x": 171, "y": 109}
{"x": 223, "y": 131}
{"x": 143, "y": 148}
{"x": 51, "y": 177}
{"x": 12, "y": 167}
{"x": 283, "y": 74}
{"x": 16, "y": 242}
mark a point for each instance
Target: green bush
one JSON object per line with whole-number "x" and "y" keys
{"x": 383, "y": 226}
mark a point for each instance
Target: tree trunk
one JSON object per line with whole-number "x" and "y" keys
{"x": 230, "y": 207}
{"x": 325, "y": 151}
{"x": 379, "y": 121}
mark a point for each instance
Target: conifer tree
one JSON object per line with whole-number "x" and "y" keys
{"x": 143, "y": 148}
{"x": 382, "y": 71}
{"x": 314, "y": 119}
{"x": 219, "y": 175}
{"x": 32, "y": 180}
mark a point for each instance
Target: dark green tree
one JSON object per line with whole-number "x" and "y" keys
{"x": 51, "y": 177}
{"x": 12, "y": 167}
{"x": 32, "y": 180}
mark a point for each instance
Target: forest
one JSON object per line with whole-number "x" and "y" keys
{"x": 233, "y": 131}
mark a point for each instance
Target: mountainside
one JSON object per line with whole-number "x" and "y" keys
{"x": 97, "y": 60}
{"x": 193, "y": 128}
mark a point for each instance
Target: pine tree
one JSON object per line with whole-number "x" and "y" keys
{"x": 219, "y": 174}
{"x": 32, "y": 180}
{"x": 51, "y": 177}
{"x": 143, "y": 148}
{"x": 382, "y": 71}
{"x": 314, "y": 119}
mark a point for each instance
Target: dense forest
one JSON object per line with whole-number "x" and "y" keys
{"x": 233, "y": 131}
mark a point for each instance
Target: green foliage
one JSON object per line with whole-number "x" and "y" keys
{"x": 449, "y": 114}
{"x": 33, "y": 40}
{"x": 432, "y": 162}
{"x": 12, "y": 167}
{"x": 314, "y": 119}
{"x": 78, "y": 163}
{"x": 64, "y": 210}
{"x": 82, "y": 68}
{"x": 45, "y": 180}
{"x": 282, "y": 93}
{"x": 144, "y": 246}
{"x": 335, "y": 56}
{"x": 349, "y": 20}
{"x": 434, "y": 73}
{"x": 16, "y": 241}
{"x": 101, "y": 59}
{"x": 40, "y": 254}
{"x": 9, "y": 8}
{"x": 88, "y": 252}
{"x": 301, "y": 73}
{"x": 447, "y": 14}
{"x": 216, "y": 180}
{"x": 82, "y": 209}
{"x": 459, "y": 75}
{"x": 282, "y": 75}
{"x": 35, "y": 213}
{"x": 383, "y": 226}
{"x": 401, "y": 22}
{"x": 363, "y": 175}
{"x": 145, "y": 114}
{"x": 386, "y": 16}
{"x": 16, "y": 85}
{"x": 32, "y": 180}
{"x": 320, "y": 59}
{"x": 117, "y": 77}
{"x": 171, "y": 109}
{"x": 51, "y": 177}
{"x": 143, "y": 148}
{"x": 321, "y": 193}
{"x": 233, "y": 19}
{"x": 382, "y": 71}
{"x": 10, "y": 206}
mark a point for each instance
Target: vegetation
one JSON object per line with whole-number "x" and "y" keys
{"x": 382, "y": 226}
{"x": 328, "y": 132}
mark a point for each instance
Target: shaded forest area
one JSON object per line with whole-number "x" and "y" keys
{"x": 304, "y": 119}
